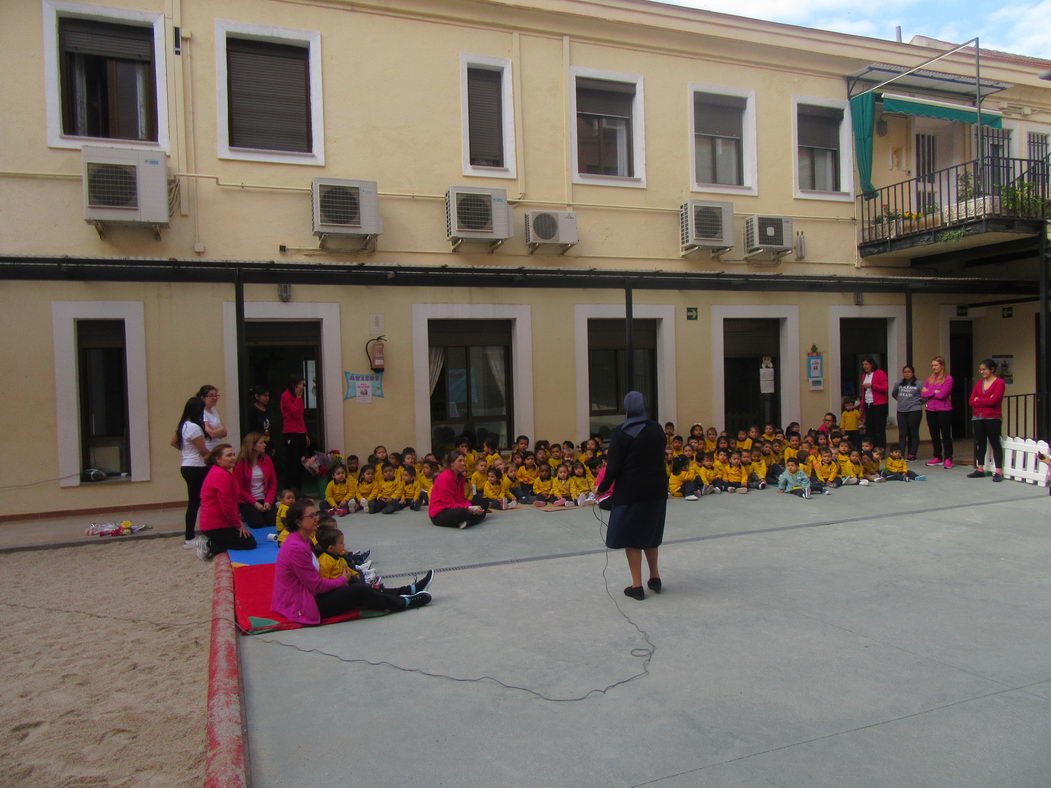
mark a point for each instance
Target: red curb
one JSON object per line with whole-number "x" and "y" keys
{"x": 226, "y": 761}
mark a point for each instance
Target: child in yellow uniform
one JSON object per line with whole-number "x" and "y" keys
{"x": 527, "y": 474}
{"x": 543, "y": 486}
{"x": 722, "y": 462}
{"x": 412, "y": 495}
{"x": 845, "y": 465}
{"x": 736, "y": 475}
{"x": 425, "y": 478}
{"x": 827, "y": 471}
{"x": 898, "y": 469}
{"x": 676, "y": 445}
{"x": 491, "y": 451}
{"x": 556, "y": 456}
{"x": 341, "y": 494}
{"x": 743, "y": 441}
{"x": 560, "y": 487}
{"x": 752, "y": 461}
{"x": 331, "y": 549}
{"x": 857, "y": 470}
{"x": 708, "y": 476}
{"x": 478, "y": 478}
{"x": 470, "y": 456}
{"x": 792, "y": 449}
{"x": 387, "y": 494}
{"x": 581, "y": 485}
{"x": 849, "y": 420}
{"x": 711, "y": 437}
{"x": 682, "y": 483}
{"x": 379, "y": 456}
{"x": 493, "y": 491}
{"x": 288, "y": 497}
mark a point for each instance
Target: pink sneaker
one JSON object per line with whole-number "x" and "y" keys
{"x": 933, "y": 461}
{"x": 948, "y": 464}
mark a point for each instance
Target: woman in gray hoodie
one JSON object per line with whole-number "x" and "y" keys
{"x": 910, "y": 411}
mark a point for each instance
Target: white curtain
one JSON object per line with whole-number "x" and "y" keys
{"x": 494, "y": 356}
{"x": 435, "y": 362}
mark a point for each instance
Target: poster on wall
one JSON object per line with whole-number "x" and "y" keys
{"x": 363, "y": 387}
{"x": 1005, "y": 368}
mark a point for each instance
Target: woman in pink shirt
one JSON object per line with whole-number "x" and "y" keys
{"x": 220, "y": 522}
{"x": 301, "y": 594}
{"x": 986, "y": 419}
{"x": 255, "y": 474}
{"x": 874, "y": 401}
{"x": 937, "y": 397}
{"x": 294, "y": 427}
{"x": 449, "y": 506}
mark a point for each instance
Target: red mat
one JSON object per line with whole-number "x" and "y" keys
{"x": 253, "y": 592}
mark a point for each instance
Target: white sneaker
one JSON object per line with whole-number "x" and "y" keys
{"x": 863, "y": 482}
{"x": 203, "y": 550}
{"x": 762, "y": 485}
{"x": 827, "y": 492}
{"x": 364, "y": 567}
{"x": 581, "y": 499}
{"x": 690, "y": 497}
{"x": 569, "y": 504}
{"x": 190, "y": 544}
{"x": 806, "y": 492}
{"x": 879, "y": 480}
{"x": 512, "y": 504}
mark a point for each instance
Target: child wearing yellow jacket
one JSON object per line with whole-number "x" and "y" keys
{"x": 387, "y": 494}
{"x": 544, "y": 485}
{"x": 827, "y": 471}
{"x": 341, "y": 494}
{"x": 581, "y": 484}
{"x": 560, "y": 488}
{"x": 736, "y": 475}
{"x": 898, "y": 469}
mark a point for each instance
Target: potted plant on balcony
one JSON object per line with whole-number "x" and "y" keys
{"x": 885, "y": 224}
{"x": 970, "y": 202}
{"x": 1023, "y": 199}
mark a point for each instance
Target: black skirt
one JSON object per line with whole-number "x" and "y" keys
{"x": 637, "y": 525}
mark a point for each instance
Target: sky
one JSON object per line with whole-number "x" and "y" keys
{"x": 1023, "y": 28}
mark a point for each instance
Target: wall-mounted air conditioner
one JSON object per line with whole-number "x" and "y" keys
{"x": 476, "y": 214}
{"x": 706, "y": 225}
{"x": 768, "y": 235}
{"x": 126, "y": 187}
{"x": 551, "y": 227}
{"x": 346, "y": 208}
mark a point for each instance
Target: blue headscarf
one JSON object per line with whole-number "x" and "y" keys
{"x": 635, "y": 408}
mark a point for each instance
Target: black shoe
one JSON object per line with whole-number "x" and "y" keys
{"x": 998, "y": 477}
{"x": 655, "y": 584}
{"x": 360, "y": 558}
{"x": 635, "y": 592}
{"x": 976, "y": 474}
{"x": 422, "y": 584}
{"x": 416, "y": 600}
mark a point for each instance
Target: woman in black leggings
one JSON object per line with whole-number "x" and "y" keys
{"x": 189, "y": 440}
{"x": 986, "y": 419}
{"x": 449, "y": 506}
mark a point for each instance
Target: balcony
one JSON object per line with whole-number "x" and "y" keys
{"x": 974, "y": 204}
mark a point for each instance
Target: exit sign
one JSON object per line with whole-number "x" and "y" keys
{"x": 691, "y": 313}
{"x": 1007, "y": 311}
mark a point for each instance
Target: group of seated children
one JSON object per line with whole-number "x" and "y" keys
{"x": 818, "y": 462}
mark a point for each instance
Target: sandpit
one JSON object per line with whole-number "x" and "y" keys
{"x": 114, "y": 691}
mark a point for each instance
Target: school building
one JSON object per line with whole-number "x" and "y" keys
{"x": 230, "y": 191}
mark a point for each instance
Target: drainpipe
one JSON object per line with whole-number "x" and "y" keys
{"x": 908, "y": 325}
{"x": 242, "y": 347}
{"x": 1043, "y": 428}
{"x": 629, "y": 338}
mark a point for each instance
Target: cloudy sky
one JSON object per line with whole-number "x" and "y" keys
{"x": 1020, "y": 27}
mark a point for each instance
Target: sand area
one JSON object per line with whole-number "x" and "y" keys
{"x": 104, "y": 659}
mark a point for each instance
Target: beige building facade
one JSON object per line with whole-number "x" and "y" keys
{"x": 484, "y": 185}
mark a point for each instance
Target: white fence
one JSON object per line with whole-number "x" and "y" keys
{"x": 1020, "y": 460}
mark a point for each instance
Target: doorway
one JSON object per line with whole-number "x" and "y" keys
{"x": 278, "y": 349}
{"x": 608, "y": 370}
{"x": 470, "y": 379}
{"x": 745, "y": 344}
{"x": 860, "y": 337}
{"x": 961, "y": 367}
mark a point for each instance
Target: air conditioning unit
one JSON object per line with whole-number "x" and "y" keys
{"x": 551, "y": 227}
{"x": 346, "y": 208}
{"x": 706, "y": 225}
{"x": 476, "y": 214}
{"x": 127, "y": 187}
{"x": 768, "y": 234}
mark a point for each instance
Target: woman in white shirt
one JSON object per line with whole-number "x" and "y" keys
{"x": 189, "y": 440}
{"x": 214, "y": 431}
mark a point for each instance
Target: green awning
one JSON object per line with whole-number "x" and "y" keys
{"x": 928, "y": 108}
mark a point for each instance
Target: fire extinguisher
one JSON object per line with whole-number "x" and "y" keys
{"x": 374, "y": 351}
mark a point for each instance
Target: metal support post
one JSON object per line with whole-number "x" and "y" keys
{"x": 242, "y": 346}
{"x": 1043, "y": 396}
{"x": 629, "y": 337}
{"x": 908, "y": 326}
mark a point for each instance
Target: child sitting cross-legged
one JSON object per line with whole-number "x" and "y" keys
{"x": 682, "y": 481}
{"x": 827, "y": 470}
{"x": 367, "y": 484}
{"x": 898, "y": 469}
{"x": 753, "y": 462}
{"x": 413, "y": 495}
{"x": 493, "y": 492}
{"x": 857, "y": 470}
{"x": 387, "y": 495}
{"x": 870, "y": 468}
{"x": 736, "y": 475}
{"x": 794, "y": 479}
{"x": 543, "y": 486}
{"x": 560, "y": 487}
{"x": 341, "y": 494}
{"x": 580, "y": 485}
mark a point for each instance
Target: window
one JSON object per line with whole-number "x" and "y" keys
{"x": 487, "y": 115}
{"x": 104, "y": 76}
{"x": 102, "y": 375}
{"x": 609, "y": 131}
{"x": 1037, "y": 146}
{"x": 608, "y": 370}
{"x": 719, "y": 138}
{"x": 107, "y": 80}
{"x": 818, "y": 130}
{"x": 269, "y": 94}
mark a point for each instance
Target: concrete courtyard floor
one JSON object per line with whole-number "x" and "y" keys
{"x": 891, "y": 635}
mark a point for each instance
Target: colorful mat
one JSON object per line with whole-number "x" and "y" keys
{"x": 253, "y": 591}
{"x": 265, "y": 551}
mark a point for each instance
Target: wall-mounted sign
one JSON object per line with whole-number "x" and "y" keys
{"x": 961, "y": 311}
{"x": 691, "y": 313}
{"x": 363, "y": 387}
{"x": 1007, "y": 311}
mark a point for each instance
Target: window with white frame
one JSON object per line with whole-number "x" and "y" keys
{"x": 488, "y": 116}
{"x": 818, "y": 147}
{"x": 609, "y": 131}
{"x": 104, "y": 76}
{"x": 269, "y": 94}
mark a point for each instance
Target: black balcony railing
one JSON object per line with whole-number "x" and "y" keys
{"x": 941, "y": 203}
{"x": 1025, "y": 415}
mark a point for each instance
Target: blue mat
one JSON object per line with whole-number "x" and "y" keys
{"x": 264, "y": 553}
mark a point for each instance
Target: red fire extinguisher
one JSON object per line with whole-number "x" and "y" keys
{"x": 374, "y": 351}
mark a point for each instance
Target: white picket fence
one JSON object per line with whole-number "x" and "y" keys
{"x": 1020, "y": 460}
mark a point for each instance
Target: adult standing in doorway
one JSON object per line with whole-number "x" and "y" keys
{"x": 189, "y": 440}
{"x": 910, "y": 411}
{"x": 635, "y": 463}
{"x": 294, "y": 428}
{"x": 214, "y": 431}
{"x": 937, "y": 394}
{"x": 874, "y": 401}
{"x": 257, "y": 419}
{"x": 255, "y": 473}
{"x": 987, "y": 418}
{"x": 449, "y": 506}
